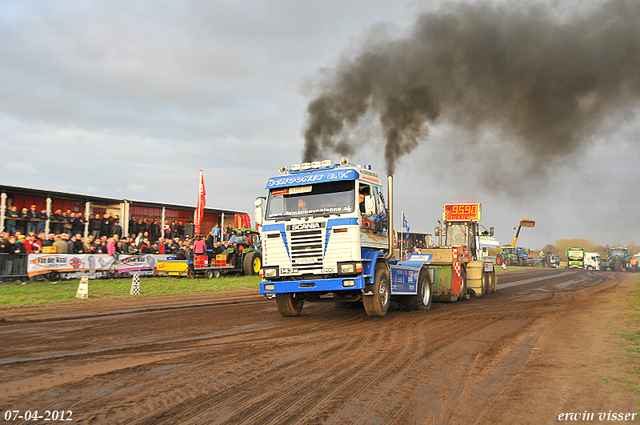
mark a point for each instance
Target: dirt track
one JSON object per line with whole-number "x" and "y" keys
{"x": 539, "y": 347}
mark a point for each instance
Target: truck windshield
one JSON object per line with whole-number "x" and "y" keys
{"x": 618, "y": 252}
{"x": 319, "y": 199}
{"x": 575, "y": 255}
{"x": 457, "y": 235}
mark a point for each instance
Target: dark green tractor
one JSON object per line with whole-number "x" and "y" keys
{"x": 619, "y": 260}
{"x": 507, "y": 256}
{"x": 245, "y": 251}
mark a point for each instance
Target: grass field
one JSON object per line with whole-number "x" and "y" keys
{"x": 33, "y": 293}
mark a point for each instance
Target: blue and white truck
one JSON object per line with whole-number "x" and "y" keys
{"x": 326, "y": 237}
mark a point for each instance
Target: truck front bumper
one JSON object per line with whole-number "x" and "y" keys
{"x": 312, "y": 285}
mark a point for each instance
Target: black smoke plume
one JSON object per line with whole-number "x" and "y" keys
{"x": 542, "y": 81}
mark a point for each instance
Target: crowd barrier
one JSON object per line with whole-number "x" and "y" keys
{"x": 74, "y": 266}
{"x": 13, "y": 266}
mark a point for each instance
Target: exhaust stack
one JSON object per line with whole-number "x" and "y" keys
{"x": 390, "y": 218}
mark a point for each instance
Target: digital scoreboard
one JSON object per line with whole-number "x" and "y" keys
{"x": 462, "y": 212}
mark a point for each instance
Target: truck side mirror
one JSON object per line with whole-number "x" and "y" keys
{"x": 369, "y": 206}
{"x": 490, "y": 231}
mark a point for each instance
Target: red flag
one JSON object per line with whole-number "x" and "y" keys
{"x": 200, "y": 207}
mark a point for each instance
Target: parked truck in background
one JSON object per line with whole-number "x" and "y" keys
{"x": 592, "y": 261}
{"x": 575, "y": 258}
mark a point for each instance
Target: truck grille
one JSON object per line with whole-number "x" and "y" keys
{"x": 306, "y": 249}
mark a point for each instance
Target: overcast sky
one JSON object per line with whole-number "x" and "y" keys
{"x": 131, "y": 99}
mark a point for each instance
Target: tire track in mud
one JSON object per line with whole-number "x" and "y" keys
{"x": 205, "y": 404}
{"x": 404, "y": 368}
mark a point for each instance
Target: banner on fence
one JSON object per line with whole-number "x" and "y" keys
{"x": 95, "y": 266}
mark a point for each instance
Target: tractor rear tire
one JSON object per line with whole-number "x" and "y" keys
{"x": 252, "y": 263}
{"x": 507, "y": 262}
{"x": 498, "y": 260}
{"x": 378, "y": 303}
{"x": 619, "y": 266}
{"x": 289, "y": 305}
{"x": 420, "y": 301}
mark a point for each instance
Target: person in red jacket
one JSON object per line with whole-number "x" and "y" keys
{"x": 31, "y": 244}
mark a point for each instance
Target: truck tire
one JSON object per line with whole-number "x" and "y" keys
{"x": 252, "y": 263}
{"x": 619, "y": 266}
{"x": 420, "y": 301}
{"x": 485, "y": 284}
{"x": 289, "y": 305}
{"x": 378, "y": 303}
{"x": 212, "y": 274}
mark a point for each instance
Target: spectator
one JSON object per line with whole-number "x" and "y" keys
{"x": 30, "y": 244}
{"x": 228, "y": 232}
{"x": 56, "y": 222}
{"x": 68, "y": 225}
{"x": 78, "y": 244}
{"x": 99, "y": 248}
{"x": 133, "y": 226}
{"x": 42, "y": 239}
{"x": 216, "y": 233}
{"x": 210, "y": 242}
{"x": 173, "y": 227}
{"x": 199, "y": 246}
{"x": 180, "y": 229}
{"x": 94, "y": 226}
{"x": 23, "y": 220}
{"x": 111, "y": 248}
{"x": 87, "y": 245}
{"x": 60, "y": 245}
{"x": 42, "y": 220}
{"x": 10, "y": 222}
{"x": 31, "y": 215}
{"x": 77, "y": 224}
{"x": 189, "y": 258}
{"x": 154, "y": 230}
{"x": 11, "y": 247}
{"x": 116, "y": 230}
{"x": 105, "y": 225}
{"x": 145, "y": 247}
{"x": 71, "y": 244}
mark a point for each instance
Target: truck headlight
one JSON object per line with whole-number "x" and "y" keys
{"x": 350, "y": 268}
{"x": 348, "y": 283}
{"x": 270, "y": 272}
{"x": 347, "y": 268}
{"x": 269, "y": 287}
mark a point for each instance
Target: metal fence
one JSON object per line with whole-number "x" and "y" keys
{"x": 13, "y": 266}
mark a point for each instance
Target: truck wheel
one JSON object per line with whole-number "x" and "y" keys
{"x": 589, "y": 267}
{"x": 485, "y": 283}
{"x": 213, "y": 274}
{"x": 289, "y": 305}
{"x": 420, "y": 301}
{"x": 378, "y": 303}
{"x": 252, "y": 263}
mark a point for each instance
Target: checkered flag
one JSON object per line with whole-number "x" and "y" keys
{"x": 135, "y": 285}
